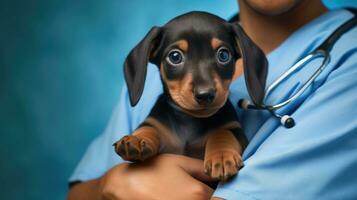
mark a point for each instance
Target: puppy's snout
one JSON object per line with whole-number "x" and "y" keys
{"x": 204, "y": 95}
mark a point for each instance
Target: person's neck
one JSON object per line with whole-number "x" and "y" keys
{"x": 268, "y": 32}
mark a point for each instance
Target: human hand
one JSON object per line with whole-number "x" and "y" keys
{"x": 166, "y": 176}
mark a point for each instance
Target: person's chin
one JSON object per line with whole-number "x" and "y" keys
{"x": 272, "y": 8}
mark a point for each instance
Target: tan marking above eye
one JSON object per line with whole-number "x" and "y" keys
{"x": 215, "y": 43}
{"x": 182, "y": 44}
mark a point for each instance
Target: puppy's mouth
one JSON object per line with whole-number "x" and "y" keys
{"x": 202, "y": 112}
{"x": 198, "y": 111}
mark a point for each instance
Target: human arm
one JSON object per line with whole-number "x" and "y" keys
{"x": 166, "y": 176}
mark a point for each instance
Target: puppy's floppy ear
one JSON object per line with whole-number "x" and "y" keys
{"x": 135, "y": 66}
{"x": 255, "y": 65}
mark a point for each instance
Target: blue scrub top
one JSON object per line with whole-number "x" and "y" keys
{"x": 316, "y": 159}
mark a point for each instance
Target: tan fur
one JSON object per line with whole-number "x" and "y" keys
{"x": 222, "y": 90}
{"x": 181, "y": 92}
{"x": 221, "y": 139}
{"x": 182, "y": 44}
{"x": 222, "y": 154}
{"x": 216, "y": 43}
{"x": 150, "y": 135}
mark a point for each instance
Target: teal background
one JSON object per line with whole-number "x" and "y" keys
{"x": 60, "y": 78}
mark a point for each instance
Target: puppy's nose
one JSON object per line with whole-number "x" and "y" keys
{"x": 204, "y": 96}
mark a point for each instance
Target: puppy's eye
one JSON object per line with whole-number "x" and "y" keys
{"x": 175, "y": 57}
{"x": 223, "y": 55}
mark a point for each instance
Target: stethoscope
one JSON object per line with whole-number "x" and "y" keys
{"x": 322, "y": 51}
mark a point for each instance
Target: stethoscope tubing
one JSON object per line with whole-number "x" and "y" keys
{"x": 297, "y": 66}
{"x": 321, "y": 51}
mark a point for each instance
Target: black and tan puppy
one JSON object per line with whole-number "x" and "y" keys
{"x": 196, "y": 53}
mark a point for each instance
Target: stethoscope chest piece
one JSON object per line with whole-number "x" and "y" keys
{"x": 286, "y": 120}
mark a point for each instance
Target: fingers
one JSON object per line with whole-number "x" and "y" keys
{"x": 204, "y": 191}
{"x": 195, "y": 168}
{"x": 141, "y": 179}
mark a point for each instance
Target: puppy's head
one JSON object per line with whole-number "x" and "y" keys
{"x": 196, "y": 53}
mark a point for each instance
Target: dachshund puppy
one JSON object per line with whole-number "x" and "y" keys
{"x": 196, "y": 54}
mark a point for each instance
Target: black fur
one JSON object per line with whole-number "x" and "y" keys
{"x": 196, "y": 27}
{"x": 190, "y": 129}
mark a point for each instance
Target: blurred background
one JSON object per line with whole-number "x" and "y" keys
{"x": 60, "y": 78}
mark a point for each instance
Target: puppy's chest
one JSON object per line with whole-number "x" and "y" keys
{"x": 183, "y": 134}
{"x": 191, "y": 135}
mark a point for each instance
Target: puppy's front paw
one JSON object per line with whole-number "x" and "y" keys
{"x": 222, "y": 164}
{"x": 133, "y": 148}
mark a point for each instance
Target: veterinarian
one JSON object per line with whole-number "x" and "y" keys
{"x": 316, "y": 159}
